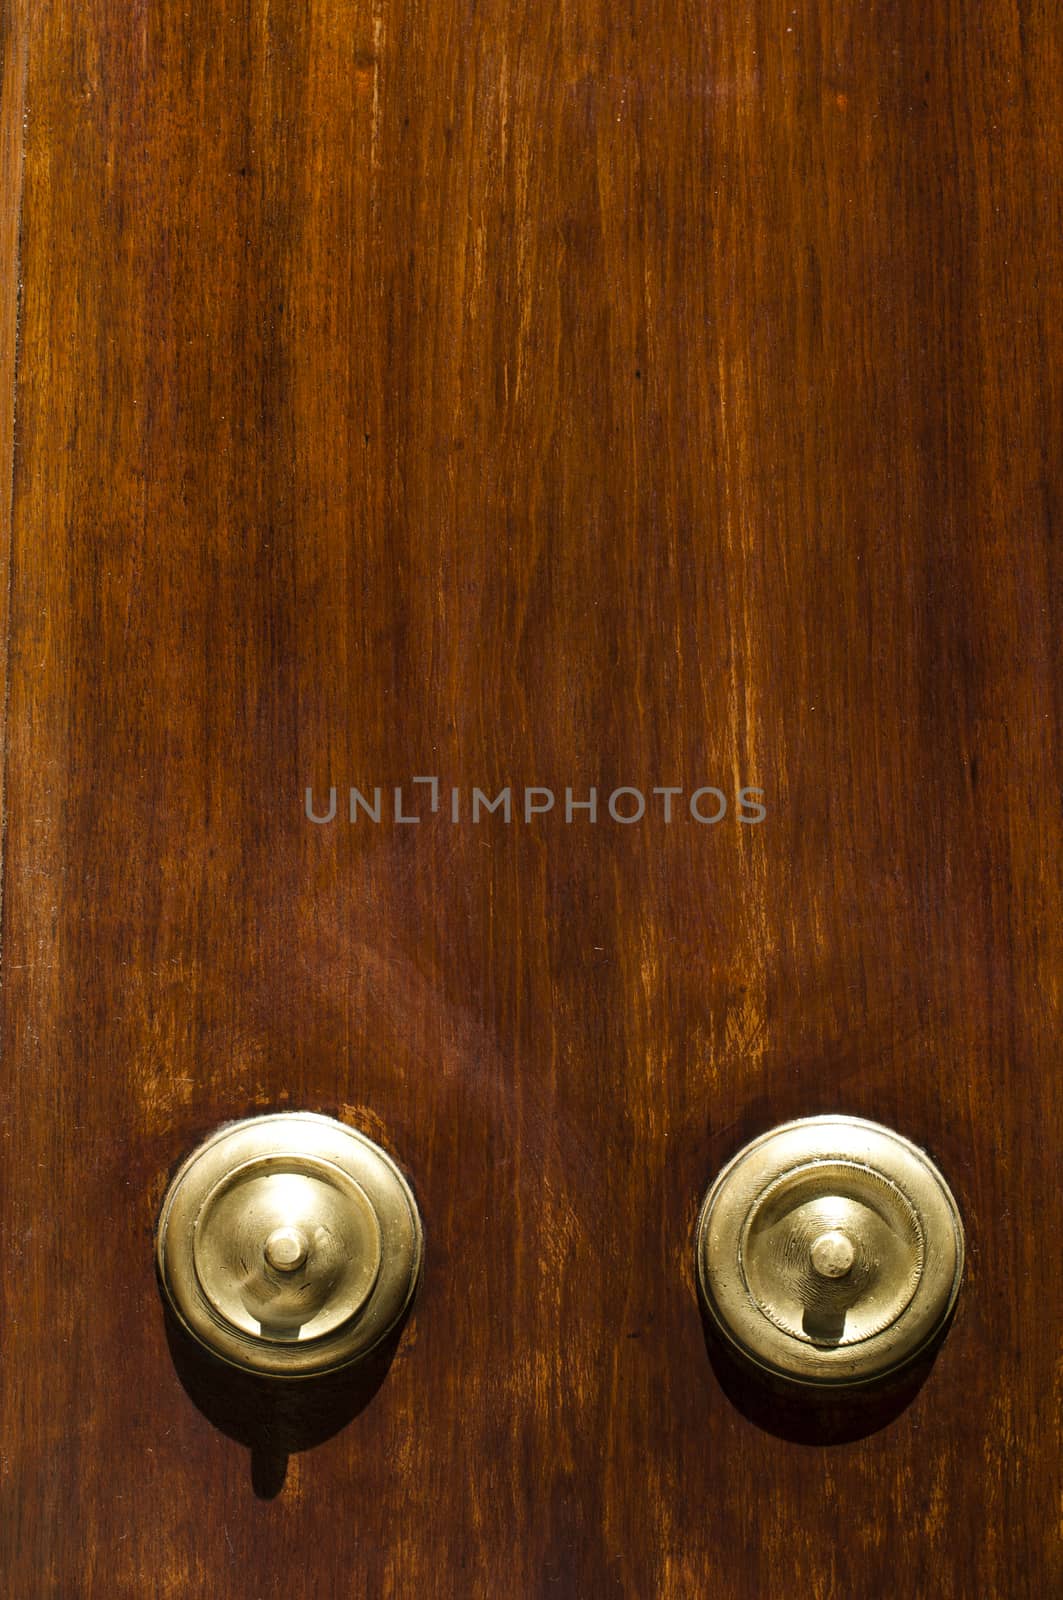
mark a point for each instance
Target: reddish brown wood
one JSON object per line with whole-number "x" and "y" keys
{"x": 594, "y": 394}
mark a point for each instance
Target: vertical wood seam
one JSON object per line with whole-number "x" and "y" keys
{"x": 12, "y": 164}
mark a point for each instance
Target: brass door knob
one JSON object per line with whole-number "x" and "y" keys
{"x": 830, "y": 1251}
{"x": 289, "y": 1244}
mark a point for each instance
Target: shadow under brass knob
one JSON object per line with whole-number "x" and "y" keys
{"x": 289, "y": 1244}
{"x": 830, "y": 1251}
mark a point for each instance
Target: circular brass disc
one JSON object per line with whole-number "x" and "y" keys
{"x": 335, "y": 1247}
{"x": 830, "y": 1250}
{"x": 289, "y": 1244}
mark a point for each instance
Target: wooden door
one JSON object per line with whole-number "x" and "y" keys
{"x": 599, "y": 395}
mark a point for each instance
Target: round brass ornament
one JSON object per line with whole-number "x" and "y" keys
{"x": 830, "y": 1251}
{"x": 289, "y": 1244}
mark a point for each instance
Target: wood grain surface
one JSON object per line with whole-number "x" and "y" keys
{"x": 612, "y": 394}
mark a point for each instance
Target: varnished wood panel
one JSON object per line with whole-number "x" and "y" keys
{"x": 592, "y": 394}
